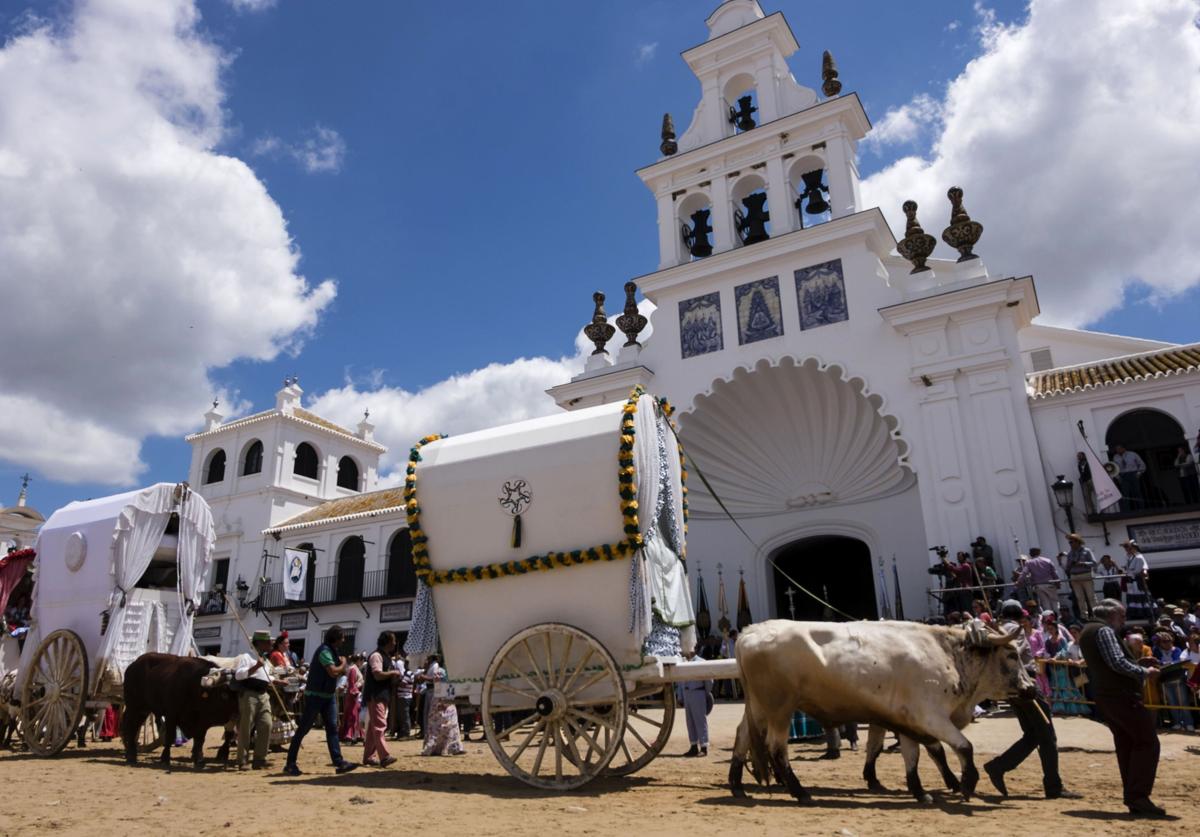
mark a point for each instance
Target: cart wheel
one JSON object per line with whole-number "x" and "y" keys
{"x": 53, "y": 695}
{"x": 650, "y": 714}
{"x": 560, "y": 697}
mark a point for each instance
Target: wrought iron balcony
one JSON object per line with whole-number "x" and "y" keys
{"x": 1144, "y": 508}
{"x": 212, "y": 602}
{"x": 332, "y": 589}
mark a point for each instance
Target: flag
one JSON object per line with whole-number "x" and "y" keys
{"x": 743, "y": 606}
{"x": 1106, "y": 490}
{"x": 896, "y": 581}
{"x": 722, "y": 605}
{"x": 295, "y": 572}
{"x": 703, "y": 617}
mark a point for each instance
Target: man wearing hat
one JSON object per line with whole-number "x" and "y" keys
{"x": 1080, "y": 563}
{"x": 254, "y": 702}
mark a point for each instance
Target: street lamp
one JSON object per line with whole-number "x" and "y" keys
{"x": 1064, "y": 495}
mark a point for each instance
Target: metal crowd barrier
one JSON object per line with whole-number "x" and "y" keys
{"x": 1152, "y": 690}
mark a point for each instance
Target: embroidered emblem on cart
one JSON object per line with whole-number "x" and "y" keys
{"x": 515, "y": 498}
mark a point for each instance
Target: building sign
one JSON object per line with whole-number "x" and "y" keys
{"x": 395, "y": 612}
{"x": 758, "y": 312}
{"x": 821, "y": 294}
{"x": 211, "y": 632}
{"x": 1166, "y": 536}
{"x": 293, "y": 621}
{"x": 700, "y": 325}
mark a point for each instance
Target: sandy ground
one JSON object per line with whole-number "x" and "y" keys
{"x": 91, "y": 791}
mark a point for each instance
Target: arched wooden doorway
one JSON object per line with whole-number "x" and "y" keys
{"x": 836, "y": 568}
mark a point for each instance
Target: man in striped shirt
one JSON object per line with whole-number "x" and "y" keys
{"x": 1117, "y": 682}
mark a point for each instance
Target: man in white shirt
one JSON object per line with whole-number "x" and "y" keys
{"x": 1130, "y": 468}
{"x": 254, "y": 702}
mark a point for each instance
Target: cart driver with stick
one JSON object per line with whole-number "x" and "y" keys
{"x": 253, "y": 682}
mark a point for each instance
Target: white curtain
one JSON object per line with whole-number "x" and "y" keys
{"x": 196, "y": 538}
{"x": 645, "y": 461}
{"x": 139, "y": 530}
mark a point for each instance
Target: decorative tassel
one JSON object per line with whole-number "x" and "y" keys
{"x": 516, "y": 533}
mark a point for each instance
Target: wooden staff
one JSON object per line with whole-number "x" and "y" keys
{"x": 270, "y": 681}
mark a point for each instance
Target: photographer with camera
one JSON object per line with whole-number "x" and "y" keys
{"x": 957, "y": 579}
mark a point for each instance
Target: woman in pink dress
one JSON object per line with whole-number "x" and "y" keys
{"x": 351, "y": 729}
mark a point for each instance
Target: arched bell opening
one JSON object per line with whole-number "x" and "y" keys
{"x": 751, "y": 218}
{"x": 694, "y": 215}
{"x": 835, "y": 568}
{"x": 810, "y": 188}
{"x": 741, "y": 98}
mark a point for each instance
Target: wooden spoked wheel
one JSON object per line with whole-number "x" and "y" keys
{"x": 649, "y": 717}
{"x": 559, "y": 699}
{"x": 54, "y": 692}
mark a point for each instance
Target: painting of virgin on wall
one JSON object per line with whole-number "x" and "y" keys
{"x": 821, "y": 294}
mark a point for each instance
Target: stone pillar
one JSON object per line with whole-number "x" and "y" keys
{"x": 779, "y": 196}
{"x": 842, "y": 174}
{"x": 669, "y": 247}
{"x": 722, "y": 215}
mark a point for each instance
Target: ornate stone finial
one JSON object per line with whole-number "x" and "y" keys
{"x": 963, "y": 233}
{"x": 917, "y": 245}
{"x": 631, "y": 322}
{"x": 598, "y": 330}
{"x": 366, "y": 414}
{"x": 829, "y": 76}
{"x": 669, "y": 146}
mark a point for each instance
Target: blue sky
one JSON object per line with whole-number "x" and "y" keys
{"x": 465, "y": 173}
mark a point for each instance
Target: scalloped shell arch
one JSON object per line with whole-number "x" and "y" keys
{"x": 792, "y": 436}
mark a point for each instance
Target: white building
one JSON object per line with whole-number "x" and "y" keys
{"x": 19, "y": 524}
{"x": 848, "y": 408}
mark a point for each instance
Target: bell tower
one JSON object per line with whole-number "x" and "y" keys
{"x": 763, "y": 155}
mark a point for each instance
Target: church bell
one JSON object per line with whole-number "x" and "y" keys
{"x": 813, "y": 192}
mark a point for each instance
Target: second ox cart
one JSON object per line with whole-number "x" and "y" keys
{"x": 551, "y": 562}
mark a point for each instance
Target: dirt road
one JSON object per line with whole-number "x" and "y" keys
{"x": 91, "y": 791}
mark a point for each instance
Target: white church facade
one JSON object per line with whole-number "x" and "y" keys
{"x": 850, "y": 406}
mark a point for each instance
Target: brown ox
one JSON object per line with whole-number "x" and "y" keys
{"x": 170, "y": 688}
{"x": 921, "y": 681}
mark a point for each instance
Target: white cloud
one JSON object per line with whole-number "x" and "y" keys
{"x": 644, "y": 54}
{"x": 252, "y": 5}
{"x": 953, "y": 25}
{"x": 320, "y": 150}
{"x": 1074, "y": 138}
{"x": 906, "y": 123}
{"x": 496, "y": 394}
{"x": 133, "y": 257}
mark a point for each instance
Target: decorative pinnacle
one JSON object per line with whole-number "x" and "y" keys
{"x": 917, "y": 245}
{"x": 829, "y": 76}
{"x": 669, "y": 146}
{"x": 598, "y": 330}
{"x": 216, "y": 403}
{"x": 631, "y": 322}
{"x": 963, "y": 233}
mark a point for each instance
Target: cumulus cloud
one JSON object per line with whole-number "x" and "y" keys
{"x": 644, "y": 54}
{"x": 907, "y": 123}
{"x": 1074, "y": 138}
{"x": 320, "y": 151}
{"x": 134, "y": 258}
{"x": 496, "y": 394}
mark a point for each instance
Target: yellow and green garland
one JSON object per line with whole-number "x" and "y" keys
{"x": 626, "y": 487}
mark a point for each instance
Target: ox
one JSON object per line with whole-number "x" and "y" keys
{"x": 171, "y": 688}
{"x": 920, "y": 681}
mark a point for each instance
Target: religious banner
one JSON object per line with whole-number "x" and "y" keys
{"x": 1102, "y": 484}
{"x": 1166, "y": 536}
{"x": 295, "y": 570}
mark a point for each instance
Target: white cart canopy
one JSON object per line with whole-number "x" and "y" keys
{"x": 92, "y": 553}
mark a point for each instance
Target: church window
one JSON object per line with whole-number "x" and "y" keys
{"x": 252, "y": 459}
{"x": 347, "y": 473}
{"x": 306, "y": 463}
{"x": 214, "y": 471}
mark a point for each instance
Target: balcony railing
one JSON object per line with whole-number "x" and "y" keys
{"x": 331, "y": 589}
{"x": 1144, "y": 508}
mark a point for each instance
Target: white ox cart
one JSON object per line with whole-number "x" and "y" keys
{"x": 544, "y": 547}
{"x": 114, "y": 578}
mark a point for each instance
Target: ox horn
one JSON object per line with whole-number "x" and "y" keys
{"x": 1005, "y": 638}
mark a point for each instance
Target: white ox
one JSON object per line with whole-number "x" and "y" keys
{"x": 920, "y": 681}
